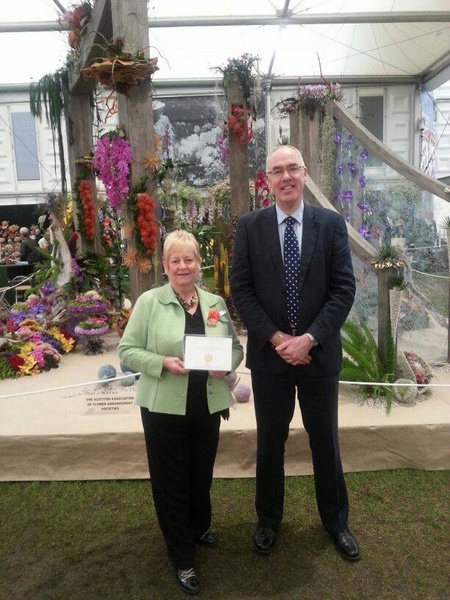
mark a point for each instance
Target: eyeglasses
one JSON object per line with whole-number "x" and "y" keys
{"x": 292, "y": 170}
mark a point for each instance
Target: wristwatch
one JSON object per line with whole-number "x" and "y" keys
{"x": 312, "y": 339}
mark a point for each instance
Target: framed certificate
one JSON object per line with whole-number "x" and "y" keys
{"x": 207, "y": 353}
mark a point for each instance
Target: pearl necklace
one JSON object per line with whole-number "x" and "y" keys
{"x": 187, "y": 304}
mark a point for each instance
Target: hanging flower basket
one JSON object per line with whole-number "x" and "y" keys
{"x": 120, "y": 74}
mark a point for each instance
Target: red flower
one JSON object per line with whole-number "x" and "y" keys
{"x": 16, "y": 362}
{"x": 146, "y": 222}
{"x": 213, "y": 318}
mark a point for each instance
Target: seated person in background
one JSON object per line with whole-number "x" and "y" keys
{"x": 28, "y": 247}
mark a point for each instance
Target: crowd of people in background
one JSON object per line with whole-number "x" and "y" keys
{"x": 20, "y": 244}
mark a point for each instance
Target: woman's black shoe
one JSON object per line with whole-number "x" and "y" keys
{"x": 188, "y": 580}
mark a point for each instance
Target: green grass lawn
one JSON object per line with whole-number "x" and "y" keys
{"x": 100, "y": 541}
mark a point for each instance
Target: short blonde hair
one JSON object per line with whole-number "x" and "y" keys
{"x": 180, "y": 239}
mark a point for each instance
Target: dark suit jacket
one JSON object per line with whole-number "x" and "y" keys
{"x": 326, "y": 283}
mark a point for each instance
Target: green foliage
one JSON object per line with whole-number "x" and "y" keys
{"x": 47, "y": 98}
{"x": 105, "y": 274}
{"x": 242, "y": 69}
{"x": 362, "y": 362}
{"x": 6, "y": 371}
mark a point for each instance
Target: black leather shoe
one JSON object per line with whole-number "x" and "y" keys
{"x": 346, "y": 545}
{"x": 188, "y": 580}
{"x": 264, "y": 539}
{"x": 208, "y": 540}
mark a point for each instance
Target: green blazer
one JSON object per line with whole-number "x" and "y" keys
{"x": 156, "y": 330}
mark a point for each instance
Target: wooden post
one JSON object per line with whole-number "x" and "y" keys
{"x": 239, "y": 176}
{"x": 295, "y": 134}
{"x": 304, "y": 133}
{"x": 130, "y": 23}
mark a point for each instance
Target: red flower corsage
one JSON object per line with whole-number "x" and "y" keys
{"x": 214, "y": 316}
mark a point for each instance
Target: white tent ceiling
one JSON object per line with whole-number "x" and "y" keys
{"x": 345, "y": 39}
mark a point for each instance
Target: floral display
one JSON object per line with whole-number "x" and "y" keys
{"x": 262, "y": 191}
{"x": 87, "y": 221}
{"x": 420, "y": 368}
{"x": 351, "y": 159}
{"x": 240, "y": 68}
{"x": 28, "y": 347}
{"x": 93, "y": 326}
{"x": 120, "y": 69}
{"x": 112, "y": 160}
{"x": 77, "y": 19}
{"x": 90, "y": 301}
{"x": 224, "y": 147}
{"x": 310, "y": 97}
{"x": 146, "y": 222}
{"x": 239, "y": 123}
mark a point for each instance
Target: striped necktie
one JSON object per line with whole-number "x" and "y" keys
{"x": 291, "y": 270}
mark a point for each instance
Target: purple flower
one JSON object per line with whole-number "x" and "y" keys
{"x": 362, "y": 181}
{"x": 340, "y": 169}
{"x": 351, "y": 168}
{"x": 349, "y": 142}
{"x": 347, "y": 195}
{"x": 363, "y": 206}
{"x": 363, "y": 156}
{"x": 47, "y": 288}
{"x": 366, "y": 234}
{"x": 338, "y": 138}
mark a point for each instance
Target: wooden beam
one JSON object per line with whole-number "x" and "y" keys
{"x": 385, "y": 154}
{"x": 99, "y": 31}
{"x": 359, "y": 246}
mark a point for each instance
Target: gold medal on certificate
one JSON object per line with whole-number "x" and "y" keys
{"x": 207, "y": 353}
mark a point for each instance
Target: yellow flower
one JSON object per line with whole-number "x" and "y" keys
{"x": 30, "y": 366}
{"x": 31, "y": 324}
{"x": 67, "y": 344}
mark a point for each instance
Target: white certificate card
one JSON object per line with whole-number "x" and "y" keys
{"x": 207, "y": 353}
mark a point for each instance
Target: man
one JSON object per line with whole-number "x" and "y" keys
{"x": 28, "y": 247}
{"x": 293, "y": 299}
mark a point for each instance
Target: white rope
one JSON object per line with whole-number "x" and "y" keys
{"x": 384, "y": 384}
{"x": 68, "y": 387}
{"x": 430, "y": 274}
{"x": 106, "y": 381}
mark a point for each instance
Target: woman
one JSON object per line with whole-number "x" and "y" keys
{"x": 180, "y": 409}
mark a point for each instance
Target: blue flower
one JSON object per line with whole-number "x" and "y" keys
{"x": 362, "y": 181}
{"x": 340, "y": 169}
{"x": 351, "y": 168}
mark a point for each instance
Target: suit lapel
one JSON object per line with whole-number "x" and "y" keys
{"x": 309, "y": 237}
{"x": 271, "y": 237}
